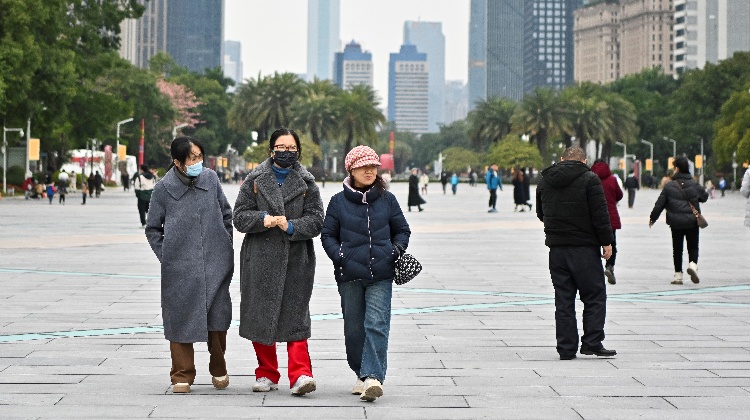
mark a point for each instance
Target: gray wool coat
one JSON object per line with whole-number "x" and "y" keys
{"x": 190, "y": 231}
{"x": 277, "y": 269}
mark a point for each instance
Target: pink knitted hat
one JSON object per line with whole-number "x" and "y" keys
{"x": 361, "y": 156}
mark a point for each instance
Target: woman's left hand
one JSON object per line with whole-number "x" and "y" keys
{"x": 282, "y": 223}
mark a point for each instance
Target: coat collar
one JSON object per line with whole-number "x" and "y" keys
{"x": 294, "y": 185}
{"x": 177, "y": 188}
{"x": 358, "y": 197}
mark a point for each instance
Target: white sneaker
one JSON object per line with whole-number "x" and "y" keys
{"x": 264, "y": 385}
{"x": 693, "y": 272}
{"x": 372, "y": 390}
{"x": 304, "y": 385}
{"x": 358, "y": 387}
{"x": 677, "y": 278}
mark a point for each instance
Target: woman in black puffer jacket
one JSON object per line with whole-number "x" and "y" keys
{"x": 363, "y": 233}
{"x": 680, "y": 218}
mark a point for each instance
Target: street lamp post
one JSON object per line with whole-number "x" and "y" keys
{"x": 117, "y": 149}
{"x": 624, "y": 156}
{"x": 674, "y": 147}
{"x": 177, "y": 127}
{"x": 5, "y": 156}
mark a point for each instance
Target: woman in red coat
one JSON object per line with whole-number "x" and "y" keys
{"x": 613, "y": 194}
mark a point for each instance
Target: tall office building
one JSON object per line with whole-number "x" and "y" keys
{"x": 323, "y": 41}
{"x": 353, "y": 67}
{"x": 615, "y": 39}
{"x": 408, "y": 85}
{"x": 192, "y": 33}
{"x": 233, "y": 62}
{"x": 708, "y": 31}
{"x": 456, "y": 101}
{"x": 518, "y": 45}
{"x": 429, "y": 39}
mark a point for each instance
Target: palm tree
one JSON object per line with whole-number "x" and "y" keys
{"x": 587, "y": 117}
{"x": 358, "y": 115}
{"x": 315, "y": 112}
{"x": 624, "y": 127}
{"x": 489, "y": 121}
{"x": 541, "y": 115}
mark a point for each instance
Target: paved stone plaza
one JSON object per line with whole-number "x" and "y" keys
{"x": 472, "y": 337}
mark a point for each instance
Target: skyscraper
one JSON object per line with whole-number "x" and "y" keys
{"x": 518, "y": 45}
{"x": 708, "y": 31}
{"x": 322, "y": 37}
{"x": 233, "y": 62}
{"x": 456, "y": 101}
{"x": 429, "y": 39}
{"x": 408, "y": 82}
{"x": 353, "y": 67}
{"x": 192, "y": 33}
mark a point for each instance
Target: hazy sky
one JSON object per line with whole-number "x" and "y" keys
{"x": 273, "y": 33}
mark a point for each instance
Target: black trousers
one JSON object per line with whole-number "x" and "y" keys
{"x": 631, "y": 197}
{"x": 143, "y": 210}
{"x": 611, "y": 261}
{"x": 493, "y": 198}
{"x": 578, "y": 269}
{"x": 691, "y": 234}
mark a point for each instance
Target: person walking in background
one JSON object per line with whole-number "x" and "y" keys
{"x": 125, "y": 178}
{"x": 722, "y": 185}
{"x": 570, "y": 202}
{"x": 190, "y": 231}
{"x": 280, "y": 211}
{"x": 519, "y": 191}
{"x": 414, "y": 198}
{"x": 84, "y": 192}
{"x": 454, "y": 183}
{"x": 92, "y": 184}
{"x": 143, "y": 184}
{"x": 73, "y": 182}
{"x": 444, "y": 180}
{"x": 62, "y": 190}
{"x": 710, "y": 189}
{"x": 364, "y": 232}
{"x": 63, "y": 179}
{"x": 613, "y": 194}
{"x": 424, "y": 181}
{"x": 493, "y": 182}
{"x": 51, "y": 191}
{"x": 28, "y": 187}
{"x": 632, "y": 185}
{"x": 745, "y": 191}
{"x": 676, "y": 198}
{"x": 98, "y": 182}
{"x": 526, "y": 187}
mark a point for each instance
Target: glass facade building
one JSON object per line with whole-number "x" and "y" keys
{"x": 408, "y": 81}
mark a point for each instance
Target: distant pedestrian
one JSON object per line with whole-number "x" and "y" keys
{"x": 190, "y": 231}
{"x": 144, "y": 183}
{"x": 92, "y": 184}
{"x": 280, "y": 211}
{"x": 710, "y": 189}
{"x": 62, "y": 190}
{"x": 473, "y": 178}
{"x": 632, "y": 185}
{"x": 125, "y": 179}
{"x": 73, "y": 182}
{"x": 84, "y": 192}
{"x": 414, "y": 198}
{"x": 519, "y": 192}
{"x": 722, "y": 185}
{"x": 526, "y": 187}
{"x": 98, "y": 182}
{"x": 454, "y": 183}
{"x": 51, "y": 191}
{"x": 363, "y": 234}
{"x": 493, "y": 182}
{"x": 745, "y": 191}
{"x": 444, "y": 180}
{"x": 28, "y": 187}
{"x": 676, "y": 198}
{"x": 63, "y": 179}
{"x": 613, "y": 194}
{"x": 570, "y": 202}
{"x": 424, "y": 181}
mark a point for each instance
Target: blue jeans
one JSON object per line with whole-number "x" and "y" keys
{"x": 367, "y": 323}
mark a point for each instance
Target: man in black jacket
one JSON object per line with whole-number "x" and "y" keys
{"x": 570, "y": 202}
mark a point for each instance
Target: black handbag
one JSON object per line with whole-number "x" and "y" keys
{"x": 407, "y": 267}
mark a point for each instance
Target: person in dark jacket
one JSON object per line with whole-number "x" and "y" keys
{"x": 613, "y": 194}
{"x": 444, "y": 180}
{"x": 632, "y": 185}
{"x": 280, "y": 211}
{"x": 98, "y": 182}
{"x": 676, "y": 197}
{"x": 414, "y": 198}
{"x": 190, "y": 231}
{"x": 571, "y": 204}
{"x": 364, "y": 232}
{"x": 143, "y": 184}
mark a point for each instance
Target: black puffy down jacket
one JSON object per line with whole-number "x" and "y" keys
{"x": 679, "y": 213}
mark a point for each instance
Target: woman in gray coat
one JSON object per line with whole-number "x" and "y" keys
{"x": 280, "y": 211}
{"x": 189, "y": 229}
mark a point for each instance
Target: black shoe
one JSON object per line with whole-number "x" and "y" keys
{"x": 602, "y": 352}
{"x": 567, "y": 357}
{"x": 609, "y": 272}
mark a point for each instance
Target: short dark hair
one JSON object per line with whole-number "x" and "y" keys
{"x": 144, "y": 167}
{"x": 574, "y": 153}
{"x": 682, "y": 164}
{"x": 284, "y": 132}
{"x": 180, "y": 148}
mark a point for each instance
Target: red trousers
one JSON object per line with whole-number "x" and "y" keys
{"x": 183, "y": 362}
{"x": 268, "y": 364}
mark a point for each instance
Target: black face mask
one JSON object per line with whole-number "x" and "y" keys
{"x": 285, "y": 159}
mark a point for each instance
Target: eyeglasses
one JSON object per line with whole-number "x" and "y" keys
{"x": 281, "y": 148}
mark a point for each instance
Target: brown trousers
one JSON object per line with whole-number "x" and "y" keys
{"x": 183, "y": 358}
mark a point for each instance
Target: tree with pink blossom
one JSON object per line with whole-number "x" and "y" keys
{"x": 183, "y": 100}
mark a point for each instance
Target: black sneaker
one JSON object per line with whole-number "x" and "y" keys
{"x": 609, "y": 272}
